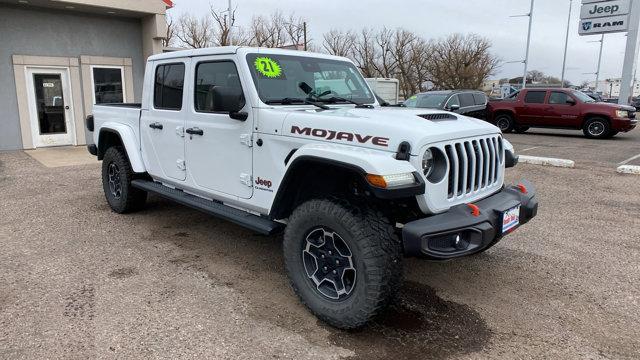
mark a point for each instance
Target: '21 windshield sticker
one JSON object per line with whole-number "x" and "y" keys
{"x": 268, "y": 67}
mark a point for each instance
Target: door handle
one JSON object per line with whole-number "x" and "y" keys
{"x": 156, "y": 125}
{"x": 194, "y": 131}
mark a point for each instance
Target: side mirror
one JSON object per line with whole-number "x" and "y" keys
{"x": 571, "y": 101}
{"x": 231, "y": 100}
{"x": 454, "y": 107}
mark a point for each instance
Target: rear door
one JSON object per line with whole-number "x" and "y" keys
{"x": 162, "y": 124}
{"x": 219, "y": 156}
{"x": 562, "y": 110}
{"x": 532, "y": 110}
{"x": 467, "y": 103}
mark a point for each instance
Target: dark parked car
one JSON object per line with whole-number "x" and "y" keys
{"x": 465, "y": 102}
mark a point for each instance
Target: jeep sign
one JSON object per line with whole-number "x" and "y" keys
{"x": 603, "y": 9}
{"x": 604, "y": 25}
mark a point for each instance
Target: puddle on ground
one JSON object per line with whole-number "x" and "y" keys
{"x": 418, "y": 325}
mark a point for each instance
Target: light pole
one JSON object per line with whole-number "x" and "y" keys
{"x": 601, "y": 41}
{"x": 566, "y": 44}
{"x": 526, "y": 57}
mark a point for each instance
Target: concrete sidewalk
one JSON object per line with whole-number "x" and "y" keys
{"x": 62, "y": 156}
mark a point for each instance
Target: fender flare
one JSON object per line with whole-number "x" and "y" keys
{"x": 128, "y": 140}
{"x": 358, "y": 160}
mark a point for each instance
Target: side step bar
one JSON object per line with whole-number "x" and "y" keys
{"x": 256, "y": 223}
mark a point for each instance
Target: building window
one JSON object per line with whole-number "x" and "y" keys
{"x": 108, "y": 84}
{"x": 168, "y": 87}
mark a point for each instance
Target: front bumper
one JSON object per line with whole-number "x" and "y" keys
{"x": 623, "y": 124}
{"x": 458, "y": 232}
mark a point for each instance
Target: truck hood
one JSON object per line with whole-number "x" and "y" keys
{"x": 381, "y": 128}
{"x": 604, "y": 105}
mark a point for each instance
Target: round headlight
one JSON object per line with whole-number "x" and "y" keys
{"x": 427, "y": 163}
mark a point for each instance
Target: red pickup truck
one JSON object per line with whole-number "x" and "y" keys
{"x": 560, "y": 108}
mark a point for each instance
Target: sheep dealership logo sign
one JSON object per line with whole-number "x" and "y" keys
{"x": 599, "y": 17}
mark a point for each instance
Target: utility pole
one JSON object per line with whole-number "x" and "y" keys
{"x": 630, "y": 55}
{"x": 304, "y": 30}
{"x": 566, "y": 44}
{"x": 230, "y": 14}
{"x": 526, "y": 57}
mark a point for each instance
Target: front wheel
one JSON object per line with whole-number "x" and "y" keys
{"x": 596, "y": 128}
{"x": 344, "y": 262}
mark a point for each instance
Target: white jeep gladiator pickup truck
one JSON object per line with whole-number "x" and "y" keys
{"x": 277, "y": 140}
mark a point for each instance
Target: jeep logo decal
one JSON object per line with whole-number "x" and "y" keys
{"x": 263, "y": 182}
{"x": 339, "y": 135}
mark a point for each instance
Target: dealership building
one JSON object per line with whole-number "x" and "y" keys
{"x": 60, "y": 57}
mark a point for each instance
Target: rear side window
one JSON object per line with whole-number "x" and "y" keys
{"x": 557, "y": 97}
{"x": 535, "y": 97}
{"x": 466, "y": 99}
{"x": 213, "y": 81}
{"x": 169, "y": 83}
{"x": 480, "y": 99}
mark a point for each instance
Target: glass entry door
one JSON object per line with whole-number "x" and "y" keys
{"x": 51, "y": 116}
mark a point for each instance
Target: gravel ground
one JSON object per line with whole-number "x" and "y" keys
{"x": 78, "y": 281}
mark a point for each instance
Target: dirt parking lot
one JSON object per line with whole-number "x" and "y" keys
{"x": 78, "y": 281}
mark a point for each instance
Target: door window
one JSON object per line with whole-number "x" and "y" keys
{"x": 50, "y": 104}
{"x": 214, "y": 82}
{"x": 453, "y": 101}
{"x": 560, "y": 98}
{"x": 535, "y": 97}
{"x": 168, "y": 87}
{"x": 480, "y": 99}
{"x": 466, "y": 100}
{"x": 107, "y": 85}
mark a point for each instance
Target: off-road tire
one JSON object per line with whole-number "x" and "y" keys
{"x": 596, "y": 128}
{"x": 128, "y": 198}
{"x": 377, "y": 257}
{"x": 505, "y": 123}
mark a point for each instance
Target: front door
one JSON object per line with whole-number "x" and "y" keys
{"x": 218, "y": 148}
{"x": 162, "y": 123}
{"x": 50, "y": 111}
{"x": 562, "y": 110}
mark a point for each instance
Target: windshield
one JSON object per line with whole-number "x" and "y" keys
{"x": 279, "y": 77}
{"x": 582, "y": 96}
{"x": 427, "y": 101}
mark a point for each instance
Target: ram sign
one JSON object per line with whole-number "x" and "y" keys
{"x": 600, "y": 17}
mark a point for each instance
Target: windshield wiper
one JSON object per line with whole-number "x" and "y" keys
{"x": 335, "y": 99}
{"x": 290, "y": 101}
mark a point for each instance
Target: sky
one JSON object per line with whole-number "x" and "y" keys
{"x": 436, "y": 19}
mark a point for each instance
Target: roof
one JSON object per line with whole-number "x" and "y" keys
{"x": 242, "y": 50}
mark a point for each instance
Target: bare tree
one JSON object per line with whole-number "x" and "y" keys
{"x": 276, "y": 30}
{"x": 170, "y": 34}
{"x": 461, "y": 62}
{"x": 195, "y": 32}
{"x": 339, "y": 43}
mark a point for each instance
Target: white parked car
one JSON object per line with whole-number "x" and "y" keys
{"x": 278, "y": 140}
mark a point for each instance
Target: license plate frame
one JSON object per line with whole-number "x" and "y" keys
{"x": 510, "y": 219}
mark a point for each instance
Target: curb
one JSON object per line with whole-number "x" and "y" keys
{"x": 544, "y": 161}
{"x": 629, "y": 169}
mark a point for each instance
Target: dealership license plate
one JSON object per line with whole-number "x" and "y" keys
{"x": 510, "y": 219}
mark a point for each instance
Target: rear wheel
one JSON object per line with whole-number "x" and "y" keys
{"x": 116, "y": 182}
{"x": 344, "y": 262}
{"x": 596, "y": 128}
{"x": 505, "y": 122}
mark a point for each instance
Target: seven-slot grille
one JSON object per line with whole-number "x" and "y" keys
{"x": 474, "y": 165}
